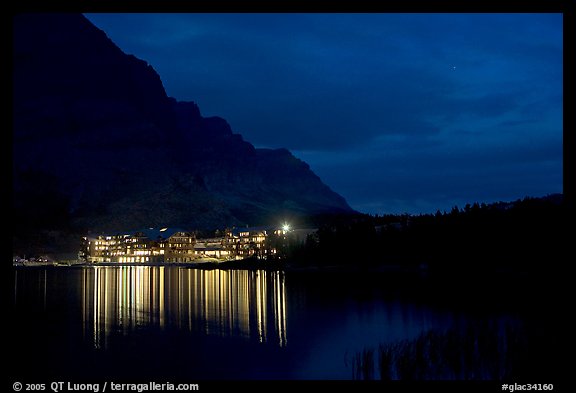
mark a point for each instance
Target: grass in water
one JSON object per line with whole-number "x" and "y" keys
{"x": 489, "y": 351}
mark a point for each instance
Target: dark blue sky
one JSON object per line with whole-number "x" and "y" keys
{"x": 395, "y": 112}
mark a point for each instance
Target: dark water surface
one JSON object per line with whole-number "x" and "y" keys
{"x": 150, "y": 321}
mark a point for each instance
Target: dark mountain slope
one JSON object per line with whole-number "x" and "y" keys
{"x": 99, "y": 146}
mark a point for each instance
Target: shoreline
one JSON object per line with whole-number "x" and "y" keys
{"x": 255, "y": 264}
{"x": 248, "y": 263}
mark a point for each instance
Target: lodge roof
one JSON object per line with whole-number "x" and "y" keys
{"x": 150, "y": 233}
{"x": 160, "y": 233}
{"x": 237, "y": 231}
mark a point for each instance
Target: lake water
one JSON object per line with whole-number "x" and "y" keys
{"x": 152, "y": 321}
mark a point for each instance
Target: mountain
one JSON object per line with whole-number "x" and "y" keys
{"x": 99, "y": 146}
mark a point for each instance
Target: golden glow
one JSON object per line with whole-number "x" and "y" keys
{"x": 180, "y": 247}
{"x": 280, "y": 303}
{"x": 216, "y": 302}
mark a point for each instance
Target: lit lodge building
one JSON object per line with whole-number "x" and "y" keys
{"x": 255, "y": 241}
{"x": 144, "y": 246}
{"x": 172, "y": 245}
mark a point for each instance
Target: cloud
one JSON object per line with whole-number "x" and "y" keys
{"x": 440, "y": 172}
{"x": 404, "y": 110}
{"x": 307, "y": 81}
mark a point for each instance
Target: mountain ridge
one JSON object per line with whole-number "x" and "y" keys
{"x": 98, "y": 145}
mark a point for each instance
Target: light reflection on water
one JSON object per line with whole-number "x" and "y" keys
{"x": 233, "y": 324}
{"x": 249, "y": 304}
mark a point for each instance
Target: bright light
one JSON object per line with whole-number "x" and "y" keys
{"x": 286, "y": 227}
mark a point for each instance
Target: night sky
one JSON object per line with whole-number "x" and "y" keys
{"x": 398, "y": 113}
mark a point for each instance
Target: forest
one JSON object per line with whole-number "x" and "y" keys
{"x": 526, "y": 234}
